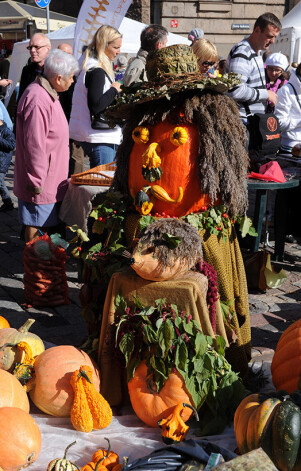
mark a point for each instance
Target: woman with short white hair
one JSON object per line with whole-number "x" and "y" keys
{"x": 42, "y": 145}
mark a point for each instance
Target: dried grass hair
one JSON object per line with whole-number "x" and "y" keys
{"x": 189, "y": 249}
{"x": 223, "y": 160}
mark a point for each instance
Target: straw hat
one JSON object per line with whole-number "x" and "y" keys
{"x": 171, "y": 70}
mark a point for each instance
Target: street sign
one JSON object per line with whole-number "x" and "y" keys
{"x": 174, "y": 23}
{"x": 42, "y": 3}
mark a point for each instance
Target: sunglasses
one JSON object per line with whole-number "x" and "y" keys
{"x": 208, "y": 64}
{"x": 35, "y": 47}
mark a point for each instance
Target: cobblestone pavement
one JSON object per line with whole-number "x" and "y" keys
{"x": 271, "y": 312}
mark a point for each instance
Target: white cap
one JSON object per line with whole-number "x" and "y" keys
{"x": 276, "y": 59}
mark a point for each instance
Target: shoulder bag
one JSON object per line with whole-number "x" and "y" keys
{"x": 263, "y": 129}
{"x": 99, "y": 121}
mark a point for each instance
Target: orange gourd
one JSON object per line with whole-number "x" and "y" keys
{"x": 286, "y": 364}
{"x": 182, "y": 159}
{"x": 107, "y": 457}
{"x": 20, "y": 439}
{"x": 151, "y": 406}
{"x": 9, "y": 355}
{"x": 12, "y": 394}
{"x": 4, "y": 324}
{"x": 50, "y": 388}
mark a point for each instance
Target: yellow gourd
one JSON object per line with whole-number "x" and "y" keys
{"x": 178, "y": 136}
{"x": 89, "y": 409}
{"x": 140, "y": 135}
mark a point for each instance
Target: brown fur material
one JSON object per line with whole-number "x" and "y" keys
{"x": 189, "y": 248}
{"x": 223, "y": 160}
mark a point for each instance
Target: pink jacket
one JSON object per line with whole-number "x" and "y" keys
{"x": 42, "y": 145}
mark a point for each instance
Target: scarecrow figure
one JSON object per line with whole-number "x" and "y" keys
{"x": 182, "y": 154}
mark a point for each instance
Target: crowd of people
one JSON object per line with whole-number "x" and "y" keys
{"x": 61, "y": 102}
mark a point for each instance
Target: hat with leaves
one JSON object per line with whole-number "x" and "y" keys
{"x": 171, "y": 70}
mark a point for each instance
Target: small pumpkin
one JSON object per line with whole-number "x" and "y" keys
{"x": 286, "y": 364}
{"x": 151, "y": 406}
{"x": 20, "y": 439}
{"x": 9, "y": 355}
{"x": 174, "y": 429}
{"x": 178, "y": 136}
{"x": 120, "y": 466}
{"x": 272, "y": 423}
{"x": 110, "y": 458}
{"x": 50, "y": 387}
{"x": 4, "y": 324}
{"x": 140, "y": 135}
{"x": 12, "y": 393}
{"x": 89, "y": 410}
{"x": 62, "y": 464}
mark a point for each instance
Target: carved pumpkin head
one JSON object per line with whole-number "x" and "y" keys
{"x": 171, "y": 167}
{"x": 183, "y": 141}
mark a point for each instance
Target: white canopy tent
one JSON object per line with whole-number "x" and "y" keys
{"x": 289, "y": 39}
{"x": 130, "y": 30}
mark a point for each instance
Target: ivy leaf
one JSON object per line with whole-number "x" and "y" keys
{"x": 98, "y": 227}
{"x": 172, "y": 242}
{"x": 193, "y": 220}
{"x": 95, "y": 248}
{"x": 245, "y": 224}
{"x": 145, "y": 221}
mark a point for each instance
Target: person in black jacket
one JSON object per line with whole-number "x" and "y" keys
{"x": 7, "y": 145}
{"x": 39, "y": 47}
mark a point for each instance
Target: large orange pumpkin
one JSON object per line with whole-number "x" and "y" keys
{"x": 179, "y": 164}
{"x": 151, "y": 406}
{"x": 4, "y": 324}
{"x": 10, "y": 355}
{"x": 50, "y": 389}
{"x": 286, "y": 364}
{"x": 20, "y": 439}
{"x": 12, "y": 393}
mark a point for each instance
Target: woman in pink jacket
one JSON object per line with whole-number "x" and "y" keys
{"x": 42, "y": 145}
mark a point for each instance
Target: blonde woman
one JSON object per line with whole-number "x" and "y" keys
{"x": 96, "y": 89}
{"x": 207, "y": 56}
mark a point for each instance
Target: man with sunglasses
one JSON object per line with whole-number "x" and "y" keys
{"x": 39, "y": 47}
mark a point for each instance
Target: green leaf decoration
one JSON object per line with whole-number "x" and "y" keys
{"x": 167, "y": 339}
{"x": 145, "y": 221}
{"x": 245, "y": 225}
{"x": 172, "y": 241}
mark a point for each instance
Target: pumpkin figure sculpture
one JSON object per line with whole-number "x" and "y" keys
{"x": 183, "y": 151}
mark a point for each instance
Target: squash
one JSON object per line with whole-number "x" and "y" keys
{"x": 50, "y": 388}
{"x": 178, "y": 136}
{"x": 20, "y": 439}
{"x": 62, "y": 464}
{"x": 272, "y": 423}
{"x": 4, "y": 324}
{"x": 174, "y": 429}
{"x": 183, "y": 160}
{"x": 140, "y": 135}
{"x": 286, "y": 364}
{"x": 120, "y": 466}
{"x": 151, "y": 406}
{"x": 9, "y": 355}
{"x": 23, "y": 371}
{"x": 89, "y": 409}
{"x": 109, "y": 458}
{"x": 12, "y": 393}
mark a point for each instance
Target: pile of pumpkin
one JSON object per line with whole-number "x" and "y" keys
{"x": 272, "y": 422}
{"x": 78, "y": 397}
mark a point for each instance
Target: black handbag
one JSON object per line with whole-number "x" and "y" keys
{"x": 99, "y": 121}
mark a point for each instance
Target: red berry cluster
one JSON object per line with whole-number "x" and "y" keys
{"x": 163, "y": 215}
{"x": 212, "y": 293}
